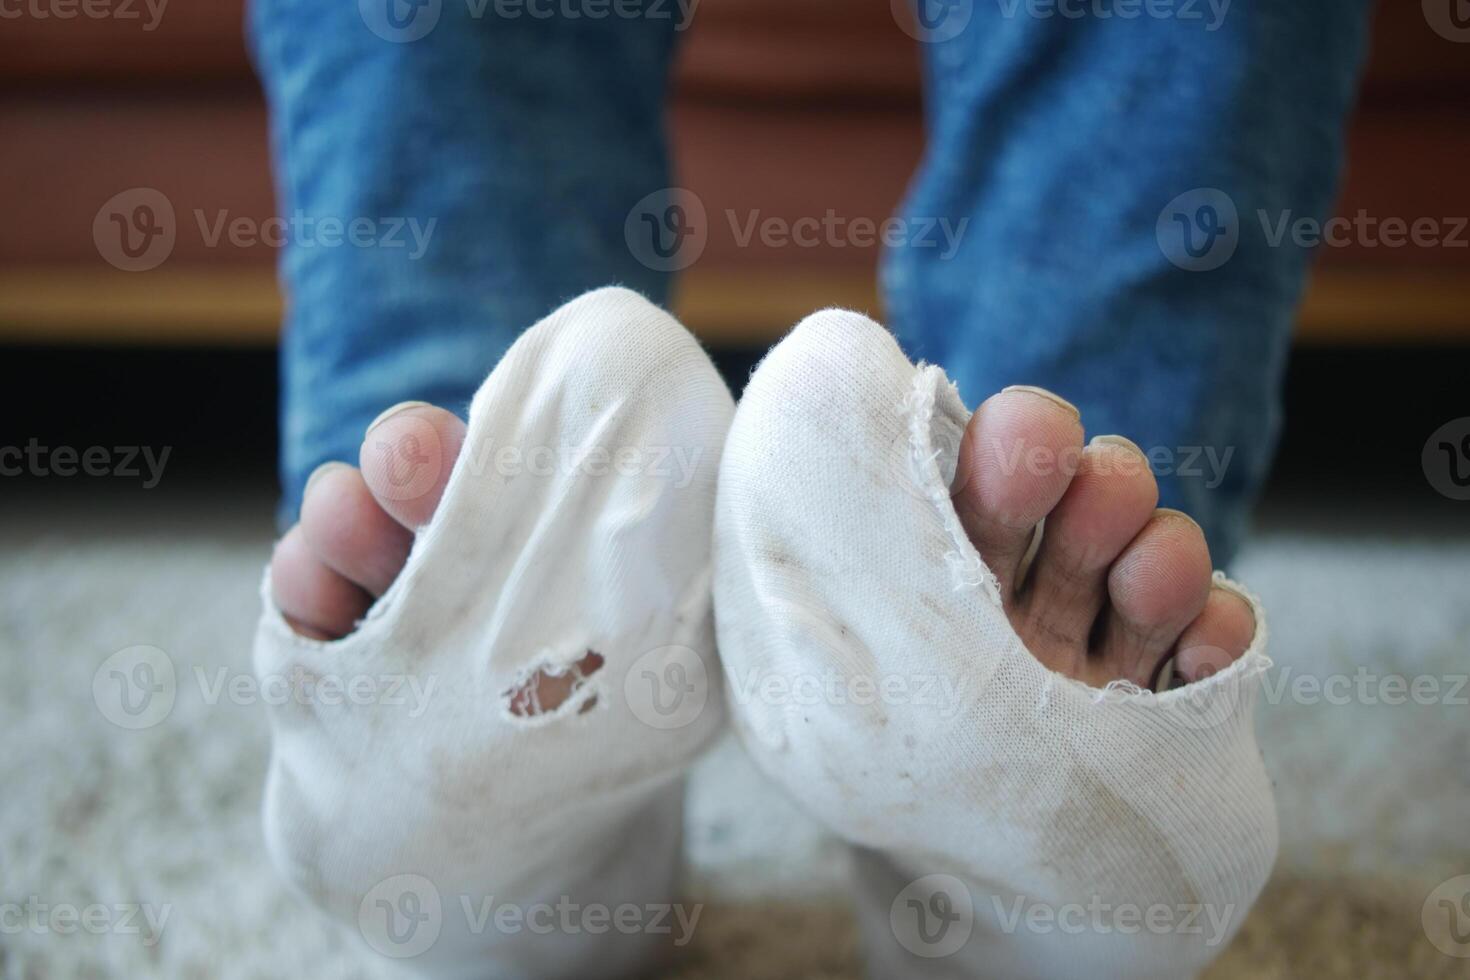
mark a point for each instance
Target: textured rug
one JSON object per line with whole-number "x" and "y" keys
{"x": 136, "y": 853}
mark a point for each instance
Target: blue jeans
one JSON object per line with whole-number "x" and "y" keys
{"x": 1120, "y": 165}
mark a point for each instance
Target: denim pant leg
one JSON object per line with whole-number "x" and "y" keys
{"x": 1122, "y": 178}
{"x": 489, "y": 154}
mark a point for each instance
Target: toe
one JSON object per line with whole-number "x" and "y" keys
{"x": 1217, "y": 638}
{"x": 1156, "y": 588}
{"x": 407, "y": 456}
{"x": 349, "y": 531}
{"x": 1110, "y": 499}
{"x": 317, "y": 601}
{"x": 1016, "y": 459}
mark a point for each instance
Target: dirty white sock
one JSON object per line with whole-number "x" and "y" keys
{"x": 433, "y": 803}
{"x": 1007, "y": 821}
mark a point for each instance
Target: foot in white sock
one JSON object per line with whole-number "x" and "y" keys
{"x": 974, "y": 709}
{"x": 473, "y": 769}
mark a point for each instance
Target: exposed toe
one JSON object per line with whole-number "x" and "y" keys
{"x": 1157, "y": 587}
{"x": 1217, "y": 638}
{"x": 407, "y": 456}
{"x": 350, "y": 531}
{"x": 317, "y": 601}
{"x": 1110, "y": 499}
{"x": 1016, "y": 459}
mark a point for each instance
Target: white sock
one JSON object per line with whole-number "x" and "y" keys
{"x": 872, "y": 671}
{"x": 577, "y": 519}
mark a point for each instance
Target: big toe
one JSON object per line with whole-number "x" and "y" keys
{"x": 407, "y": 456}
{"x": 1016, "y": 460}
{"x": 357, "y": 525}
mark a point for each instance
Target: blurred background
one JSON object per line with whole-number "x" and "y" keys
{"x": 1362, "y": 550}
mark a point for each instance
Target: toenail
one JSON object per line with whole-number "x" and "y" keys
{"x": 1171, "y": 512}
{"x": 1231, "y": 590}
{"x": 1111, "y": 440}
{"x": 400, "y": 407}
{"x": 1050, "y": 396}
{"x": 325, "y": 468}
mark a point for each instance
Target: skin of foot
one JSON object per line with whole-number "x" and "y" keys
{"x": 1101, "y": 583}
{"x": 1114, "y": 588}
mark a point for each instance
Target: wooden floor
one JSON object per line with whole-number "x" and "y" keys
{"x": 235, "y": 308}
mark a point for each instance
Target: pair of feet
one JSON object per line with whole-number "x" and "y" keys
{"x": 1115, "y": 589}
{"x": 849, "y": 527}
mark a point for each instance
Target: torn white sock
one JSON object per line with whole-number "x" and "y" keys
{"x": 437, "y": 804}
{"x": 1008, "y": 821}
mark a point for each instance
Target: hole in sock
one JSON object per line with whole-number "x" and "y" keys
{"x": 551, "y": 687}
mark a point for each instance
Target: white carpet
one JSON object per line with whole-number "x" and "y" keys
{"x": 164, "y": 820}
